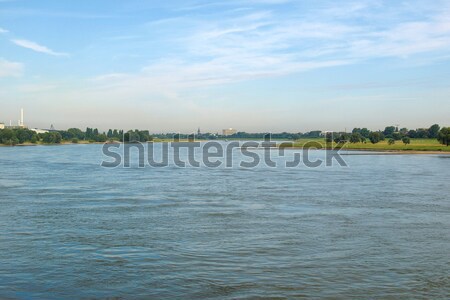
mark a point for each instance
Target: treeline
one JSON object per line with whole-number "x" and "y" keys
{"x": 21, "y": 136}
{"x": 358, "y": 135}
{"x": 73, "y": 135}
{"x": 282, "y": 135}
{"x": 240, "y": 135}
{"x": 13, "y": 137}
{"x": 393, "y": 134}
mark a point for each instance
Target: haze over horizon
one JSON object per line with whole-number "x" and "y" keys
{"x": 257, "y": 65}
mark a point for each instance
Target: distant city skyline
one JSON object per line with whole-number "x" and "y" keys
{"x": 256, "y": 65}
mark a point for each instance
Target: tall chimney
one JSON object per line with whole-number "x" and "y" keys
{"x": 21, "y": 117}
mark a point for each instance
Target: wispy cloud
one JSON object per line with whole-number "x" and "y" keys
{"x": 3, "y": 30}
{"x": 177, "y": 74}
{"x": 204, "y": 58}
{"x": 265, "y": 43}
{"x": 254, "y": 45}
{"x": 10, "y": 69}
{"x": 38, "y": 48}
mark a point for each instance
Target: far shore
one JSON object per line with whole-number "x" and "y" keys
{"x": 347, "y": 150}
{"x": 368, "y": 151}
{"x": 389, "y": 152}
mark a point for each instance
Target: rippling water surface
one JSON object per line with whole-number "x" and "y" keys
{"x": 71, "y": 229}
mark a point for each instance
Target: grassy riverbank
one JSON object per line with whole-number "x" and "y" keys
{"x": 415, "y": 145}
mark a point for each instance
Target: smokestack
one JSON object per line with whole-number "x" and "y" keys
{"x": 21, "y": 117}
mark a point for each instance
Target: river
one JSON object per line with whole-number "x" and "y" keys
{"x": 71, "y": 229}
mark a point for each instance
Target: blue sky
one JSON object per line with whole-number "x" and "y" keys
{"x": 256, "y": 65}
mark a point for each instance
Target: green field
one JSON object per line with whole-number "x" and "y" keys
{"x": 416, "y": 145}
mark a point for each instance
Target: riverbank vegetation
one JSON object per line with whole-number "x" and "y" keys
{"x": 23, "y": 136}
{"x": 433, "y": 138}
{"x": 413, "y": 145}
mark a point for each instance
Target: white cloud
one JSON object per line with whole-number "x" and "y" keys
{"x": 201, "y": 53}
{"x": 10, "y": 69}
{"x": 36, "y": 47}
{"x": 181, "y": 74}
{"x": 187, "y": 55}
{"x": 263, "y": 43}
{"x": 3, "y": 30}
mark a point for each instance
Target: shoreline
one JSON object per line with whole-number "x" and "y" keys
{"x": 376, "y": 151}
{"x": 394, "y": 152}
{"x": 366, "y": 151}
{"x": 60, "y": 144}
{"x": 372, "y": 151}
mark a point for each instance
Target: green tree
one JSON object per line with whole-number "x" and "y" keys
{"x": 7, "y": 135}
{"x": 406, "y": 140}
{"x": 89, "y": 133}
{"x": 329, "y": 137}
{"x": 76, "y": 133}
{"x": 412, "y": 134}
{"x": 444, "y": 136}
{"x": 421, "y": 133}
{"x": 52, "y": 138}
{"x": 47, "y": 138}
{"x": 311, "y": 134}
{"x": 23, "y": 135}
{"x": 355, "y": 138}
{"x": 131, "y": 137}
{"x": 116, "y": 134}
{"x": 57, "y": 137}
{"x": 433, "y": 131}
{"x": 144, "y": 136}
{"x": 365, "y": 132}
{"x": 375, "y": 137}
{"x": 397, "y": 136}
{"x": 391, "y": 142}
{"x": 11, "y": 142}
{"x": 388, "y": 131}
{"x": 101, "y": 138}
{"x": 342, "y": 138}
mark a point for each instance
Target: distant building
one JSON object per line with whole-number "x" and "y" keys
{"x": 229, "y": 131}
{"x": 20, "y": 125}
{"x": 37, "y": 130}
{"x": 2, "y": 126}
{"x": 51, "y": 129}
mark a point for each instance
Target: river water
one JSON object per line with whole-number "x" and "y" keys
{"x": 71, "y": 229}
